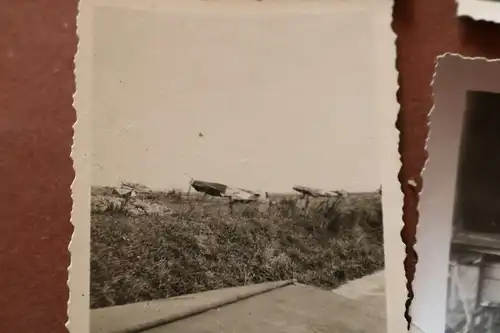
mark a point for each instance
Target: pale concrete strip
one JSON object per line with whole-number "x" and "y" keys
{"x": 293, "y": 309}
{"x": 132, "y": 318}
{"x": 415, "y": 329}
{"x": 367, "y": 292}
{"x": 370, "y": 285}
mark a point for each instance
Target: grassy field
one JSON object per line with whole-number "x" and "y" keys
{"x": 165, "y": 245}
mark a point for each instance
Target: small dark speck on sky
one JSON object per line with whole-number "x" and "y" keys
{"x": 200, "y": 135}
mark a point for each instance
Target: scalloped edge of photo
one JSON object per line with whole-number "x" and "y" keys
{"x": 481, "y": 10}
{"x": 387, "y": 109}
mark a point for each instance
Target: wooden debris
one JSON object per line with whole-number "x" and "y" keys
{"x": 128, "y": 189}
{"x": 125, "y": 192}
{"x": 210, "y": 188}
{"x": 139, "y": 188}
{"x": 222, "y": 190}
{"x": 241, "y": 195}
{"x": 313, "y": 192}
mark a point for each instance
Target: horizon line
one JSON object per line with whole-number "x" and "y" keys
{"x": 194, "y": 192}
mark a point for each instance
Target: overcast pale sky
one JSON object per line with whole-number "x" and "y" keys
{"x": 279, "y": 99}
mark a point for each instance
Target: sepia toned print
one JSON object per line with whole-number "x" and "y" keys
{"x": 233, "y": 186}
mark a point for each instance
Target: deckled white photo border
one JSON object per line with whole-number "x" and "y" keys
{"x": 454, "y": 76}
{"x": 387, "y": 107}
{"x": 486, "y": 10}
{"x": 390, "y": 164}
{"x": 79, "y": 270}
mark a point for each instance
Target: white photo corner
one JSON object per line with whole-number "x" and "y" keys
{"x": 240, "y": 151}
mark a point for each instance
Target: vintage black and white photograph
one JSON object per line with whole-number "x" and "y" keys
{"x": 234, "y": 187}
{"x": 455, "y": 286}
{"x": 474, "y": 272}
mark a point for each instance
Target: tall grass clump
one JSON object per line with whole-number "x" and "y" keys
{"x": 169, "y": 247}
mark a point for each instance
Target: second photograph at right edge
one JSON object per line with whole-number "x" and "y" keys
{"x": 459, "y": 233}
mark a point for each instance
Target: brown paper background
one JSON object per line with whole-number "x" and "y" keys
{"x": 37, "y": 44}
{"x": 426, "y": 29}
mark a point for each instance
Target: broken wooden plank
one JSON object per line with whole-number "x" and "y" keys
{"x": 210, "y": 188}
{"x": 314, "y": 192}
{"x": 309, "y": 191}
{"x": 222, "y": 190}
